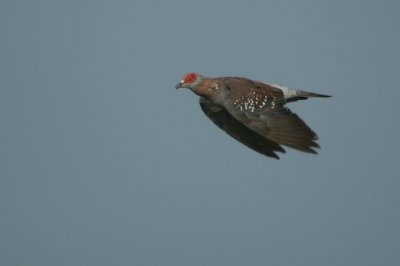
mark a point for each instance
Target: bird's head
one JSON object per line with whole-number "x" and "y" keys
{"x": 190, "y": 81}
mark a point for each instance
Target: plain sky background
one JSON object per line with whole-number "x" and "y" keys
{"x": 103, "y": 162}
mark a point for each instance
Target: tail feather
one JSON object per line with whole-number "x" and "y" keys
{"x": 304, "y": 95}
{"x": 292, "y": 95}
{"x": 307, "y": 94}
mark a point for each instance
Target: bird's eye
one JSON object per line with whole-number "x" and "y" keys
{"x": 190, "y": 78}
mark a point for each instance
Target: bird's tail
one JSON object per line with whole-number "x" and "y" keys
{"x": 307, "y": 94}
{"x": 304, "y": 95}
{"x": 292, "y": 95}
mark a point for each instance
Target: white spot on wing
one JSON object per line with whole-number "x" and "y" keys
{"x": 252, "y": 101}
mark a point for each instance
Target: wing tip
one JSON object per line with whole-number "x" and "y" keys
{"x": 272, "y": 153}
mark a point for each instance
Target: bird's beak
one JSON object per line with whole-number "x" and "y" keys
{"x": 179, "y": 85}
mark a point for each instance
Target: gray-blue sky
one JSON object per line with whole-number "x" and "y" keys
{"x": 103, "y": 162}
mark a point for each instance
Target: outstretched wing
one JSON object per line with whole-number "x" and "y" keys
{"x": 223, "y": 119}
{"x": 262, "y": 109}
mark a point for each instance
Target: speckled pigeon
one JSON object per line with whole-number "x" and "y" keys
{"x": 254, "y": 112}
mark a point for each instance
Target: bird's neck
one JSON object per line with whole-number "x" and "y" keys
{"x": 208, "y": 88}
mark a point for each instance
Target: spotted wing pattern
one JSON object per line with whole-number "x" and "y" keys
{"x": 262, "y": 108}
{"x": 224, "y": 120}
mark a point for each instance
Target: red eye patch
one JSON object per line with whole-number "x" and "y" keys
{"x": 189, "y": 78}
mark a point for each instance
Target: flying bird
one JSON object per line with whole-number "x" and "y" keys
{"x": 254, "y": 112}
